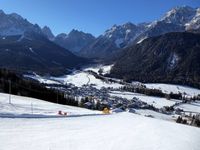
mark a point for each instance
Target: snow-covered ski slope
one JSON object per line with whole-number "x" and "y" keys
{"x": 121, "y": 131}
{"x": 31, "y": 107}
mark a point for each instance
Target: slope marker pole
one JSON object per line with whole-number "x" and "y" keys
{"x": 10, "y": 91}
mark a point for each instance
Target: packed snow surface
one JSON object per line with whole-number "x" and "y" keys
{"x": 122, "y": 131}
{"x": 31, "y": 107}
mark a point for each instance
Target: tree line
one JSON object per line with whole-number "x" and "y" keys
{"x": 13, "y": 83}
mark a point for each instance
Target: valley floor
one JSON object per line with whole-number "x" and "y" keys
{"x": 86, "y": 84}
{"x": 32, "y": 124}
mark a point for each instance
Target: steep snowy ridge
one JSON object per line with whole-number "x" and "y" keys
{"x": 195, "y": 22}
{"x": 122, "y": 35}
{"x": 178, "y": 19}
{"x": 14, "y": 24}
{"x": 179, "y": 15}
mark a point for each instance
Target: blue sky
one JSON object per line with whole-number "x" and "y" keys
{"x": 92, "y": 16}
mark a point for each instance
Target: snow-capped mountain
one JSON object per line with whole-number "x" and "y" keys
{"x": 178, "y": 19}
{"x": 14, "y": 24}
{"x": 47, "y": 32}
{"x": 26, "y": 47}
{"x": 179, "y": 15}
{"x": 122, "y": 35}
{"x": 75, "y": 40}
{"x": 113, "y": 39}
{"x": 194, "y": 24}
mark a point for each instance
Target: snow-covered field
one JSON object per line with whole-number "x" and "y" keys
{"x": 155, "y": 101}
{"x": 82, "y": 78}
{"x": 105, "y": 68}
{"x": 79, "y": 78}
{"x": 42, "y": 79}
{"x": 122, "y": 131}
{"x": 31, "y": 107}
{"x": 167, "y": 88}
{"x": 192, "y": 107}
{"x": 154, "y": 114}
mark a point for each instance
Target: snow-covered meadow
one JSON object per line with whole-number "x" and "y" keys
{"x": 157, "y": 102}
{"x": 82, "y": 78}
{"x": 167, "y": 88}
{"x": 79, "y": 78}
{"x": 190, "y": 107}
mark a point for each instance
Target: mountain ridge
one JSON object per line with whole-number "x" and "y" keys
{"x": 178, "y": 19}
{"x": 169, "y": 58}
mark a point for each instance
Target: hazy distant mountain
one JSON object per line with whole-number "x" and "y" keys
{"x": 124, "y": 34}
{"x": 32, "y": 52}
{"x": 112, "y": 40}
{"x": 74, "y": 41}
{"x": 101, "y": 48}
{"x": 47, "y": 32}
{"x": 172, "y": 57}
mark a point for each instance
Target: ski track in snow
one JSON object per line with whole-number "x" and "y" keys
{"x": 123, "y": 131}
{"x": 89, "y": 130}
{"x": 24, "y": 107}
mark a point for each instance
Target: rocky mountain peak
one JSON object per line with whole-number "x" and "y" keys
{"x": 179, "y": 15}
{"x": 48, "y": 33}
{"x": 1, "y": 12}
{"x": 14, "y": 24}
{"x": 16, "y": 16}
